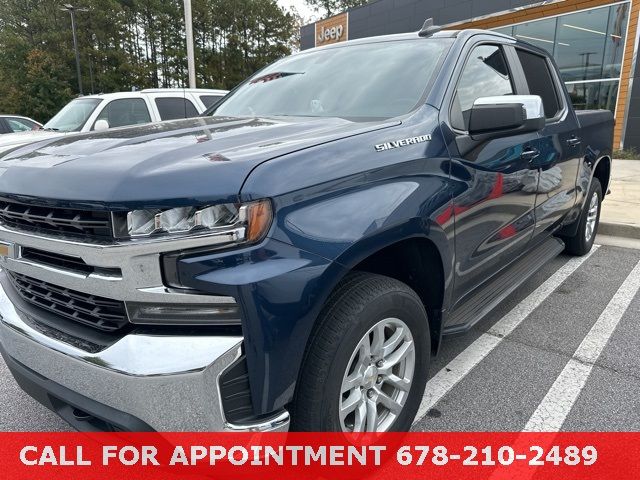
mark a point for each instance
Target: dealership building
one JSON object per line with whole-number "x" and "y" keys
{"x": 594, "y": 42}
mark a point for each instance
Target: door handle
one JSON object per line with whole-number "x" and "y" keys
{"x": 574, "y": 142}
{"x": 530, "y": 154}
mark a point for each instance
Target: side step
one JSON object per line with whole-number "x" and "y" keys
{"x": 488, "y": 296}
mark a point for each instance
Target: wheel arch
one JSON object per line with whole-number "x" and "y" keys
{"x": 416, "y": 262}
{"x": 599, "y": 168}
{"x": 602, "y": 171}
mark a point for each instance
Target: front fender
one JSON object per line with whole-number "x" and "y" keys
{"x": 281, "y": 291}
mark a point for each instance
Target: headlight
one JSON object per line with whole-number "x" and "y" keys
{"x": 251, "y": 220}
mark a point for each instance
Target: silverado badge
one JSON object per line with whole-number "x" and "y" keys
{"x": 383, "y": 147}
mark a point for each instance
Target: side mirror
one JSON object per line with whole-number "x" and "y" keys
{"x": 494, "y": 117}
{"x": 101, "y": 126}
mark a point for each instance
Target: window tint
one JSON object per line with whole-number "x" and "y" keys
{"x": 129, "y": 111}
{"x": 485, "y": 75}
{"x": 538, "y": 75}
{"x": 209, "y": 100}
{"x": 175, "y": 107}
{"x": 21, "y": 125}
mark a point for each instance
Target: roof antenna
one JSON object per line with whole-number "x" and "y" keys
{"x": 429, "y": 28}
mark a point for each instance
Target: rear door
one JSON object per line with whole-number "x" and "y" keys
{"x": 495, "y": 193}
{"x": 560, "y": 146}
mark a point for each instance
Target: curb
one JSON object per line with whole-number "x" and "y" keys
{"x": 619, "y": 230}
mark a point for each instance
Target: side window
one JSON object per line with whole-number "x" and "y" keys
{"x": 209, "y": 100}
{"x": 540, "y": 81}
{"x": 171, "y": 108}
{"x": 21, "y": 125}
{"x": 127, "y": 111}
{"x": 485, "y": 74}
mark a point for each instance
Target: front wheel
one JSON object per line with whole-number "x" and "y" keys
{"x": 582, "y": 242}
{"x": 366, "y": 366}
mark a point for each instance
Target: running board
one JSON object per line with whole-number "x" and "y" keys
{"x": 488, "y": 296}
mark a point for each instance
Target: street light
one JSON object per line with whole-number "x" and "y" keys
{"x": 72, "y": 10}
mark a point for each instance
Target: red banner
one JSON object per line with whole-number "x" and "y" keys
{"x": 436, "y": 456}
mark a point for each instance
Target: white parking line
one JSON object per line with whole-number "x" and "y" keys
{"x": 557, "y": 404}
{"x": 460, "y": 366}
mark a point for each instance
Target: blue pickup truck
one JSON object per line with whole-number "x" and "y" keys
{"x": 293, "y": 258}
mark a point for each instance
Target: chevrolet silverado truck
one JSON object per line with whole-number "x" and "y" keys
{"x": 293, "y": 258}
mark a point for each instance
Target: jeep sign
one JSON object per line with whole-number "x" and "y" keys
{"x": 332, "y": 30}
{"x": 333, "y": 33}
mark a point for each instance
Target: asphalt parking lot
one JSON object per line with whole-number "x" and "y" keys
{"x": 562, "y": 353}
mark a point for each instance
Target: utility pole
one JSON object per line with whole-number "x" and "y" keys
{"x": 188, "y": 23}
{"x": 72, "y": 10}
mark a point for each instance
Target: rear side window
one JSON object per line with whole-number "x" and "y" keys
{"x": 485, "y": 74}
{"x": 124, "y": 112}
{"x": 538, "y": 75}
{"x": 210, "y": 100}
{"x": 171, "y": 108}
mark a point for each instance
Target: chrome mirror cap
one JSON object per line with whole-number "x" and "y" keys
{"x": 532, "y": 104}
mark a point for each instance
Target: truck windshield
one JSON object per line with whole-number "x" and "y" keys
{"x": 373, "y": 80}
{"x": 73, "y": 116}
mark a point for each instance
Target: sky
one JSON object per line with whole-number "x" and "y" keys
{"x": 301, "y": 6}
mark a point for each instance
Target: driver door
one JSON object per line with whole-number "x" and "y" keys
{"x": 495, "y": 182}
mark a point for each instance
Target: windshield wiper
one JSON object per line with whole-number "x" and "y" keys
{"x": 51, "y": 129}
{"x": 274, "y": 76}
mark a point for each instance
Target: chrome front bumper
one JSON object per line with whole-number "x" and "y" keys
{"x": 168, "y": 382}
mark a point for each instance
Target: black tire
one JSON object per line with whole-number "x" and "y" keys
{"x": 357, "y": 304}
{"x": 578, "y": 244}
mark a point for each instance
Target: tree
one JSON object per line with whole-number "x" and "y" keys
{"x": 127, "y": 44}
{"x": 333, "y": 7}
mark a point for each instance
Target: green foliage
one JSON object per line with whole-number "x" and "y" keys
{"x": 333, "y": 7}
{"x": 127, "y": 44}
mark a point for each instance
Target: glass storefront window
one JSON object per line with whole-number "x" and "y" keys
{"x": 541, "y": 33}
{"x": 504, "y": 30}
{"x": 616, "y": 34}
{"x": 581, "y": 43}
{"x": 588, "y": 47}
{"x": 594, "y": 95}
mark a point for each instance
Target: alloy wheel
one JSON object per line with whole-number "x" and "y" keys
{"x": 378, "y": 378}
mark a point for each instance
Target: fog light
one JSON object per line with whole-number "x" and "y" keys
{"x": 184, "y": 314}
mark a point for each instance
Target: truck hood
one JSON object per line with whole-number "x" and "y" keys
{"x": 12, "y": 140}
{"x": 194, "y": 161}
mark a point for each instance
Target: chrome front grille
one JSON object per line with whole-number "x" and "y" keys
{"x": 98, "y": 312}
{"x": 62, "y": 221}
{"x": 56, "y": 260}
